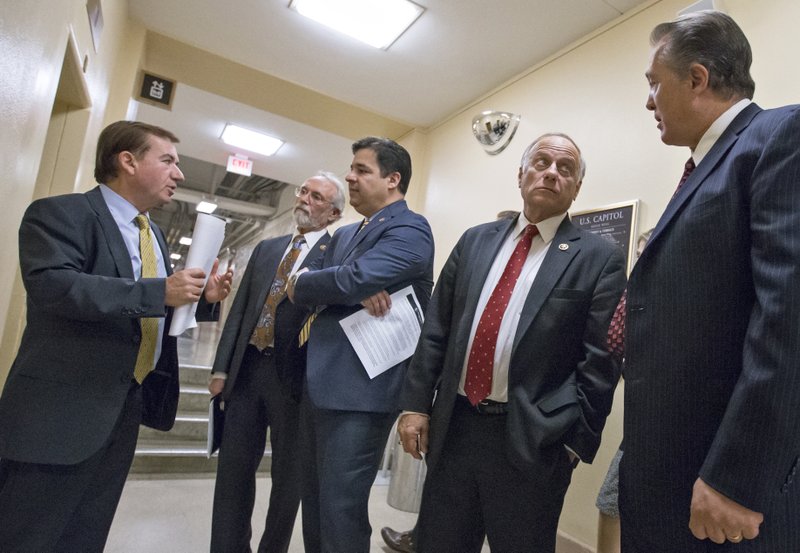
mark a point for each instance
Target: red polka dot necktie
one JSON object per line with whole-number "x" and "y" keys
{"x": 480, "y": 365}
{"x": 615, "y": 341}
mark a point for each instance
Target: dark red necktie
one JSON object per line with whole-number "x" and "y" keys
{"x": 615, "y": 341}
{"x": 687, "y": 170}
{"x": 480, "y": 365}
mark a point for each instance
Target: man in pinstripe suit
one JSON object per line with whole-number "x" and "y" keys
{"x": 712, "y": 378}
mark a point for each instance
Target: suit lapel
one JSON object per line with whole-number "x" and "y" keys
{"x": 117, "y": 249}
{"x": 718, "y": 152}
{"x": 478, "y": 265}
{"x": 562, "y": 250}
{"x": 162, "y": 243}
{"x": 318, "y": 249}
{"x": 374, "y": 225}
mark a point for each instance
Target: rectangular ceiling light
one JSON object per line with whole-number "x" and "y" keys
{"x": 206, "y": 207}
{"x": 185, "y": 241}
{"x": 251, "y": 141}
{"x": 376, "y": 22}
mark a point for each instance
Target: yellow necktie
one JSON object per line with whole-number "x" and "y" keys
{"x": 147, "y": 347}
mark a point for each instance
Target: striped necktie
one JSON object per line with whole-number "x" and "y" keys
{"x": 147, "y": 347}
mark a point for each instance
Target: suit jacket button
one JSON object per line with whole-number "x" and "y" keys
{"x": 124, "y": 378}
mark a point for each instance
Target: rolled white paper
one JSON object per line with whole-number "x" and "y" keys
{"x": 209, "y": 232}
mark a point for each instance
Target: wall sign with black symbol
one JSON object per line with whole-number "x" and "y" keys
{"x": 157, "y": 90}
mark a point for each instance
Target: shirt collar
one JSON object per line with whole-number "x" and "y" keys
{"x": 547, "y": 228}
{"x": 121, "y": 209}
{"x": 312, "y": 237}
{"x": 716, "y": 129}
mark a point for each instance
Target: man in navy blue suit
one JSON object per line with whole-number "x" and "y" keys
{"x": 712, "y": 348}
{"x": 260, "y": 378}
{"x": 348, "y": 415}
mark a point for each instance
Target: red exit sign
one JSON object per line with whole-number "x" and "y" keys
{"x": 240, "y": 165}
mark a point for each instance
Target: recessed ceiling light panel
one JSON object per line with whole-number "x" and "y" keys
{"x": 377, "y": 22}
{"x": 251, "y": 141}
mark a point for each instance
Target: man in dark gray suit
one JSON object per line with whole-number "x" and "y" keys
{"x": 81, "y": 382}
{"x": 260, "y": 377}
{"x": 712, "y": 387}
{"x": 513, "y": 352}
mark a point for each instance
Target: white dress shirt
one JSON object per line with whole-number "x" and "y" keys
{"x": 508, "y": 326}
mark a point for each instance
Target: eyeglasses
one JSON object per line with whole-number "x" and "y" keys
{"x": 314, "y": 197}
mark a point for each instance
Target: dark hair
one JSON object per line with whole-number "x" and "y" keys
{"x": 124, "y": 136}
{"x": 715, "y": 41}
{"x": 391, "y": 156}
{"x": 527, "y": 153}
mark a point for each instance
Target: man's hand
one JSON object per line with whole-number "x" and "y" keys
{"x": 719, "y": 518}
{"x": 216, "y": 385}
{"x": 413, "y": 431}
{"x": 292, "y": 281}
{"x": 379, "y": 304}
{"x": 218, "y": 286}
{"x": 184, "y": 286}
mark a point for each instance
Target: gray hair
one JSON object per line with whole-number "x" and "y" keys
{"x": 527, "y": 153}
{"x": 715, "y": 41}
{"x": 339, "y": 198}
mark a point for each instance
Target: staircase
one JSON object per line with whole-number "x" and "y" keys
{"x": 182, "y": 450}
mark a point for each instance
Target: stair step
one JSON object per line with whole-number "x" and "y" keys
{"x": 194, "y": 398}
{"x": 192, "y": 425}
{"x": 195, "y": 374}
{"x": 180, "y": 456}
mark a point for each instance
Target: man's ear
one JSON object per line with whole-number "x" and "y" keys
{"x": 394, "y": 179}
{"x": 126, "y": 162}
{"x": 698, "y": 74}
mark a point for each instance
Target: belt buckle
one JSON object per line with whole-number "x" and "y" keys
{"x": 488, "y": 407}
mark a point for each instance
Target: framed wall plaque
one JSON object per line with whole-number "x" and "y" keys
{"x": 616, "y": 223}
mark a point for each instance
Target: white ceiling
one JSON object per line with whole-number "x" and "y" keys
{"x": 457, "y": 51}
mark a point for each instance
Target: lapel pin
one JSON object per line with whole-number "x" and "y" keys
{"x": 382, "y": 219}
{"x": 323, "y": 247}
{"x": 563, "y": 247}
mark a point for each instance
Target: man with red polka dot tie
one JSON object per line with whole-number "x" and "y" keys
{"x": 513, "y": 350}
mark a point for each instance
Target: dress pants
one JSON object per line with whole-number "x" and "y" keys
{"x": 258, "y": 401}
{"x": 69, "y": 508}
{"x": 341, "y": 453}
{"x": 474, "y": 492}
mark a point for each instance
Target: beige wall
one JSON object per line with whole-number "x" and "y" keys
{"x": 33, "y": 39}
{"x": 594, "y": 91}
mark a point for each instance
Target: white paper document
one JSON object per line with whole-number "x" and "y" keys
{"x": 383, "y": 342}
{"x": 209, "y": 232}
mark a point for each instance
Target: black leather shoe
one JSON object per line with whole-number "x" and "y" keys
{"x": 399, "y": 541}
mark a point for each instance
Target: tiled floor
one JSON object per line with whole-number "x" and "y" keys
{"x": 174, "y": 516}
